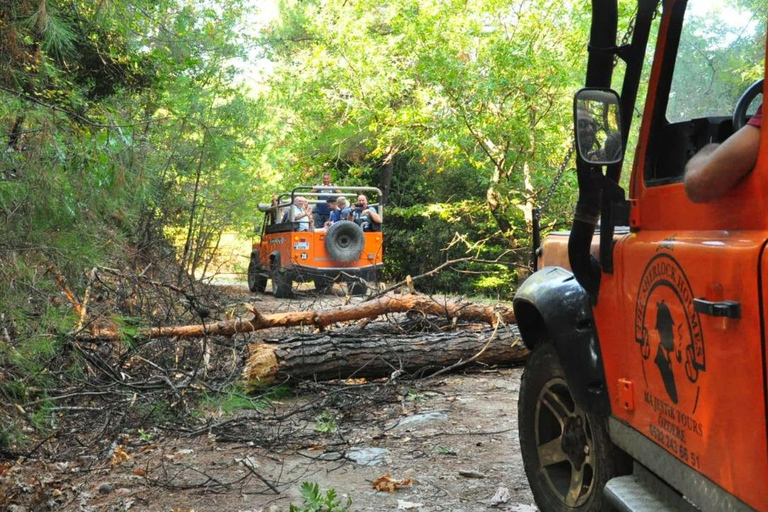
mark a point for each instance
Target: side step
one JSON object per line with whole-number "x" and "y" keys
{"x": 642, "y": 491}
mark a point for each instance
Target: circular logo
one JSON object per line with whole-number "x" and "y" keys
{"x": 668, "y": 330}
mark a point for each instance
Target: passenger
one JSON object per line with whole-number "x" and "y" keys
{"x": 278, "y": 210}
{"x": 717, "y": 168}
{"x": 284, "y": 210}
{"x": 335, "y": 213}
{"x": 322, "y": 210}
{"x": 302, "y": 213}
{"x": 342, "y": 206}
{"x": 366, "y": 215}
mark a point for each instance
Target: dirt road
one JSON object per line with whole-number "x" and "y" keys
{"x": 452, "y": 442}
{"x": 456, "y": 439}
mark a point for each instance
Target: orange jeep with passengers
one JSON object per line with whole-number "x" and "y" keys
{"x": 647, "y": 386}
{"x": 291, "y": 249}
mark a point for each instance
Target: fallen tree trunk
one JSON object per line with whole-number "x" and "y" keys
{"x": 360, "y": 354}
{"x": 450, "y": 309}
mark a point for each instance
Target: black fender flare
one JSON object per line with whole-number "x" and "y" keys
{"x": 552, "y": 306}
{"x": 274, "y": 260}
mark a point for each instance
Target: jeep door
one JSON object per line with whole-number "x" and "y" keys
{"x": 686, "y": 364}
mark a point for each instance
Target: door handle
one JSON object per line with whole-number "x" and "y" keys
{"x": 725, "y": 308}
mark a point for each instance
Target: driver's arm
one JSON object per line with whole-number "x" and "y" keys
{"x": 717, "y": 168}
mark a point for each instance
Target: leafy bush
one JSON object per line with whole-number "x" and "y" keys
{"x": 316, "y": 501}
{"x": 420, "y": 238}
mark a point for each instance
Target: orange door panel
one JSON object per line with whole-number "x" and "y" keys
{"x": 697, "y": 378}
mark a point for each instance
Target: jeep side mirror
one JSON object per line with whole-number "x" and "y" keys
{"x": 597, "y": 123}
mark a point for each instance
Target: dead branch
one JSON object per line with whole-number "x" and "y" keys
{"x": 86, "y": 298}
{"x": 70, "y": 296}
{"x": 448, "y": 309}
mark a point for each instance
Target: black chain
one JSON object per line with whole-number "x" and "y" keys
{"x": 545, "y": 203}
{"x": 558, "y": 177}
{"x": 626, "y": 38}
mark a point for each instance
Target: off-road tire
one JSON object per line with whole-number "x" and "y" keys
{"x": 344, "y": 241}
{"x": 357, "y": 288}
{"x": 281, "y": 285}
{"x": 574, "y": 445}
{"x": 257, "y": 281}
{"x": 323, "y": 284}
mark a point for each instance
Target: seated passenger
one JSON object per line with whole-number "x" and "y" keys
{"x": 342, "y": 206}
{"x": 717, "y": 168}
{"x": 302, "y": 213}
{"x": 366, "y": 215}
{"x": 333, "y": 212}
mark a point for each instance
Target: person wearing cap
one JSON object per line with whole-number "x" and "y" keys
{"x": 717, "y": 168}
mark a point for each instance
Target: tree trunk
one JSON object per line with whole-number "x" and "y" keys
{"x": 492, "y": 199}
{"x": 528, "y": 174}
{"x": 14, "y": 137}
{"x": 372, "y": 355}
{"x": 493, "y": 315}
{"x": 188, "y": 244}
{"x": 386, "y": 176}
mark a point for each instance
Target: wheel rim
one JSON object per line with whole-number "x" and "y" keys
{"x": 565, "y": 444}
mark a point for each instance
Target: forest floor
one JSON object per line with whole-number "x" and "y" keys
{"x": 448, "y": 443}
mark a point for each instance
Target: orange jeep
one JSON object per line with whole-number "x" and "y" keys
{"x": 647, "y": 387}
{"x": 290, "y": 250}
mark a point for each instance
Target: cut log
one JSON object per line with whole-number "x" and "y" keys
{"x": 358, "y": 354}
{"x": 321, "y": 319}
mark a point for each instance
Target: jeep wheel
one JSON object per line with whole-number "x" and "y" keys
{"x": 257, "y": 282}
{"x": 344, "y": 241}
{"x": 567, "y": 454}
{"x": 357, "y": 287}
{"x": 281, "y": 285}
{"x": 323, "y": 284}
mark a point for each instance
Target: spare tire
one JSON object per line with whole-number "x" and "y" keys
{"x": 344, "y": 241}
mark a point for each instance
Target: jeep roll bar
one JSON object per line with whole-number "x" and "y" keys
{"x": 287, "y": 198}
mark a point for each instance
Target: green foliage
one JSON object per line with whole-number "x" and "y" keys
{"x": 442, "y": 450}
{"x": 450, "y": 231}
{"x": 233, "y": 399}
{"x": 120, "y": 125}
{"x": 145, "y": 436}
{"x": 480, "y": 91}
{"x": 325, "y": 422}
{"x": 11, "y": 436}
{"x": 721, "y": 53}
{"x": 313, "y": 500}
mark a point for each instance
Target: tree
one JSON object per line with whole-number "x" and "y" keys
{"x": 122, "y": 128}
{"x": 479, "y": 85}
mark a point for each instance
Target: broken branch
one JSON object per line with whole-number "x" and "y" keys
{"x": 323, "y": 318}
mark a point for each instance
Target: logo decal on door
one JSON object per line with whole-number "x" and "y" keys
{"x": 668, "y": 331}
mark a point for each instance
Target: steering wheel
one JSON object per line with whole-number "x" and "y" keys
{"x": 740, "y": 112}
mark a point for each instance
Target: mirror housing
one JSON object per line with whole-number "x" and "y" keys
{"x": 597, "y": 125}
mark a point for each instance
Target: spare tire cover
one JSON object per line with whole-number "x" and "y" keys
{"x": 344, "y": 241}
